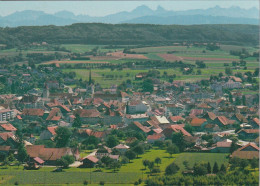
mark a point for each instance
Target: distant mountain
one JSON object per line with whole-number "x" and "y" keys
{"x": 142, "y": 14}
{"x": 191, "y": 19}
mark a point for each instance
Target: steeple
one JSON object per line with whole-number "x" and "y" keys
{"x": 89, "y": 79}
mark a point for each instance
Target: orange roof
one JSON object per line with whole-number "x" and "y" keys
{"x": 8, "y": 127}
{"x": 33, "y": 112}
{"x": 19, "y": 117}
{"x": 140, "y": 126}
{"x": 154, "y": 137}
{"x": 53, "y": 114}
{"x": 249, "y": 131}
{"x": 196, "y": 122}
{"x": 52, "y": 130}
{"x": 224, "y": 120}
{"x": 176, "y": 118}
{"x": 92, "y": 159}
{"x": 256, "y": 120}
{"x": 211, "y": 115}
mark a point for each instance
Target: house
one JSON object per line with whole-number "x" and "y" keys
{"x": 198, "y": 123}
{"x": 248, "y": 133}
{"x": 89, "y": 162}
{"x": 122, "y": 148}
{"x": 222, "y": 121}
{"x": 248, "y": 151}
{"x": 136, "y": 107}
{"x": 52, "y": 84}
{"x": 137, "y": 125}
{"x": 196, "y": 112}
{"x": 54, "y": 115}
{"x": 4, "y": 151}
{"x": 173, "y": 109}
{"x": 232, "y": 85}
{"x": 49, "y": 133}
{"x": 90, "y": 116}
{"x": 175, "y": 119}
{"x": 7, "y": 127}
{"x": 210, "y": 116}
{"x": 50, "y": 155}
{"x": 155, "y": 137}
{"x": 130, "y": 140}
{"x": 161, "y": 120}
{"x": 255, "y": 123}
{"x": 103, "y": 151}
{"x": 239, "y": 118}
{"x": 128, "y": 119}
{"x": 32, "y": 113}
{"x": 222, "y": 146}
{"x": 174, "y": 128}
{"x": 8, "y": 139}
{"x": 6, "y": 114}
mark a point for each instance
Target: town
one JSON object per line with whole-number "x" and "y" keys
{"x": 46, "y": 124}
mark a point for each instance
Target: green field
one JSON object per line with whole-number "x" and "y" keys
{"x": 127, "y": 174}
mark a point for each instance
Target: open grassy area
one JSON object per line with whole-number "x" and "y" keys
{"x": 192, "y": 158}
{"x": 127, "y": 174}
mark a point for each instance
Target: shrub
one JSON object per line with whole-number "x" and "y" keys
{"x": 172, "y": 169}
{"x": 85, "y": 182}
{"x": 101, "y": 183}
{"x": 156, "y": 170}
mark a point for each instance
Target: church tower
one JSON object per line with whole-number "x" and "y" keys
{"x": 46, "y": 92}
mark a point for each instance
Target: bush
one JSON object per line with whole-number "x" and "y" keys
{"x": 16, "y": 183}
{"x": 85, "y": 182}
{"x": 136, "y": 183}
{"x": 156, "y": 170}
{"x": 172, "y": 169}
{"x": 101, "y": 183}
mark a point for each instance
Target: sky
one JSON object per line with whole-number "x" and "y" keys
{"x": 103, "y": 8}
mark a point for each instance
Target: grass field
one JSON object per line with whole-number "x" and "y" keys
{"x": 127, "y": 174}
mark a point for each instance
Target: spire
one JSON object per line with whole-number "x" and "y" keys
{"x": 89, "y": 79}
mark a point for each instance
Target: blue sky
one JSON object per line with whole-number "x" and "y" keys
{"x": 102, "y": 8}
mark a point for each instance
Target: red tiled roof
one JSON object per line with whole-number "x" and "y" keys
{"x": 256, "y": 120}
{"x": 211, "y": 115}
{"x": 224, "y": 120}
{"x": 8, "y": 127}
{"x": 93, "y": 113}
{"x": 92, "y": 159}
{"x": 6, "y": 135}
{"x": 175, "y": 128}
{"x": 39, "y": 160}
{"x": 252, "y": 152}
{"x": 196, "y": 122}
{"x": 33, "y": 112}
{"x": 53, "y": 115}
{"x": 196, "y": 112}
{"x": 19, "y": 117}
{"x": 140, "y": 126}
{"x": 113, "y": 126}
{"x": 52, "y": 130}
{"x": 154, "y": 137}
{"x": 224, "y": 144}
{"x": 176, "y": 118}
{"x": 47, "y": 153}
{"x": 5, "y": 148}
{"x": 249, "y": 131}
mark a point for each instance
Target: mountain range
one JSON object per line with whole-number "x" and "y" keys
{"x": 140, "y": 15}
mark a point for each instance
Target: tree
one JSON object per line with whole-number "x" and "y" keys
{"x": 243, "y": 164}
{"x": 65, "y": 161}
{"x": 186, "y": 164}
{"x": 223, "y": 168}
{"x": 178, "y": 139}
{"x": 145, "y": 163}
{"x": 228, "y": 71}
{"x": 215, "y": 168}
{"x": 138, "y": 150}
{"x": 130, "y": 155}
{"x": 115, "y": 165}
{"x": 244, "y": 100}
{"x": 112, "y": 141}
{"x": 172, "y": 169}
{"x": 63, "y": 135}
{"x": 158, "y": 161}
{"x": 254, "y": 163}
{"x": 150, "y": 165}
{"x": 22, "y": 153}
{"x": 148, "y": 85}
{"x": 209, "y": 168}
{"x": 77, "y": 121}
{"x": 172, "y": 149}
{"x": 91, "y": 140}
{"x": 200, "y": 64}
{"x": 200, "y": 169}
{"x": 188, "y": 128}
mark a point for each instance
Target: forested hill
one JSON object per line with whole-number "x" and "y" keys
{"x": 98, "y": 33}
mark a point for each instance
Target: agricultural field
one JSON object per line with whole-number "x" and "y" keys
{"x": 127, "y": 174}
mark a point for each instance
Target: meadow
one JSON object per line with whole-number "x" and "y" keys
{"x": 127, "y": 174}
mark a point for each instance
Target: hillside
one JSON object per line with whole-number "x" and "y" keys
{"x": 129, "y": 34}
